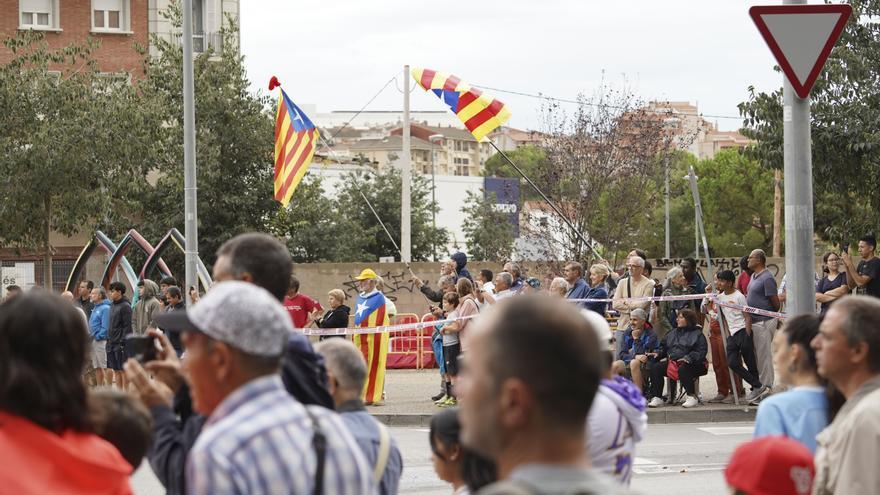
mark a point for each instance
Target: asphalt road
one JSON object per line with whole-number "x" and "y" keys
{"x": 675, "y": 459}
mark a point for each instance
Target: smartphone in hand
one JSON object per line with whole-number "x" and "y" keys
{"x": 142, "y": 348}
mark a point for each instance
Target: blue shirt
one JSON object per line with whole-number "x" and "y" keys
{"x": 365, "y": 430}
{"x": 647, "y": 342}
{"x": 99, "y": 320}
{"x": 761, "y": 288}
{"x": 259, "y": 440}
{"x": 800, "y": 414}
{"x": 578, "y": 291}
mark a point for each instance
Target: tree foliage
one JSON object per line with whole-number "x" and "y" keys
{"x": 73, "y": 147}
{"x": 845, "y": 114}
{"x": 488, "y": 231}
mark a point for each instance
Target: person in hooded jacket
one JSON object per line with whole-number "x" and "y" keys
{"x": 617, "y": 420}
{"x": 46, "y": 439}
{"x": 337, "y": 316}
{"x": 148, "y": 304}
{"x": 688, "y": 347}
{"x": 99, "y": 323}
{"x": 461, "y": 266}
{"x": 120, "y": 327}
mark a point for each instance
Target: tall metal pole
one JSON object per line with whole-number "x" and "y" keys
{"x": 798, "y": 186}
{"x": 666, "y": 163}
{"x": 405, "y": 176}
{"x": 191, "y": 248}
{"x": 433, "y": 201}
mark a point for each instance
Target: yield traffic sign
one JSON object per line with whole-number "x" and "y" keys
{"x": 801, "y": 38}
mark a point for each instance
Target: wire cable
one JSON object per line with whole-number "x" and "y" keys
{"x": 363, "y": 108}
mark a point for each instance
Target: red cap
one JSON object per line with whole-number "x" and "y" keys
{"x": 771, "y": 466}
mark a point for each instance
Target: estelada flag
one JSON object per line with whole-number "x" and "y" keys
{"x": 295, "y": 142}
{"x": 479, "y": 112}
{"x": 371, "y": 312}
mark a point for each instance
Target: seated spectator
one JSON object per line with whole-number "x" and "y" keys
{"x": 455, "y": 464}
{"x": 801, "y": 412}
{"x": 347, "y": 373}
{"x": 639, "y": 340}
{"x": 770, "y": 466}
{"x": 617, "y": 419}
{"x": 687, "y": 347}
{"x": 529, "y": 380}
{"x": 46, "y": 439}
{"x": 122, "y": 420}
{"x": 668, "y": 312}
{"x": 559, "y": 287}
{"x": 234, "y": 339}
{"x": 337, "y": 315}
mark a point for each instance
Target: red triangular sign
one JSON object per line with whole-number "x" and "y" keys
{"x": 801, "y": 38}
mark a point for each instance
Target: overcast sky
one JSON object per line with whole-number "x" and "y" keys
{"x": 337, "y": 54}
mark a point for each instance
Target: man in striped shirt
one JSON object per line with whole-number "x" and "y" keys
{"x": 257, "y": 438}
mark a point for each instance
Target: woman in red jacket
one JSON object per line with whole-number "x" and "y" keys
{"x": 46, "y": 440}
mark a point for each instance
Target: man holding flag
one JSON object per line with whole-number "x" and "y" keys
{"x": 370, "y": 311}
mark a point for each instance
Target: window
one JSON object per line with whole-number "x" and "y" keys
{"x": 38, "y": 14}
{"x": 110, "y": 15}
{"x": 461, "y": 161}
{"x": 198, "y": 18}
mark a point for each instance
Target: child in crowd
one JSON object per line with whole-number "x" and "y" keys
{"x": 123, "y": 421}
{"x": 453, "y": 463}
{"x": 451, "y": 347}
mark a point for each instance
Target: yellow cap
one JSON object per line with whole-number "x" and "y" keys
{"x": 367, "y": 274}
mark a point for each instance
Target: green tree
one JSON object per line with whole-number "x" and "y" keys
{"x": 73, "y": 148}
{"x": 531, "y": 159}
{"x": 363, "y": 237}
{"x": 234, "y": 143}
{"x": 845, "y": 125}
{"x": 311, "y": 226}
{"x": 487, "y": 230}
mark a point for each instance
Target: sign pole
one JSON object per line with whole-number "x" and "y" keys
{"x": 191, "y": 222}
{"x": 798, "y": 183}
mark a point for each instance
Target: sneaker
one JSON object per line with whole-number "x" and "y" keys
{"x": 718, "y": 399}
{"x": 449, "y": 402}
{"x": 441, "y": 399}
{"x": 439, "y": 396}
{"x": 756, "y": 392}
{"x": 656, "y": 402}
{"x": 691, "y": 401}
{"x": 763, "y": 395}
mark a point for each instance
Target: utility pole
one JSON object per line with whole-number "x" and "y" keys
{"x": 433, "y": 138}
{"x": 666, "y": 166}
{"x": 405, "y": 176}
{"x": 798, "y": 198}
{"x": 191, "y": 224}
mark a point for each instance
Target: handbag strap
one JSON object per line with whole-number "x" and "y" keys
{"x": 384, "y": 451}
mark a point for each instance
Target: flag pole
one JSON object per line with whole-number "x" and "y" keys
{"x": 552, "y": 205}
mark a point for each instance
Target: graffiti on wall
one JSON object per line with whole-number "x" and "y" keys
{"x": 718, "y": 264}
{"x": 396, "y": 282}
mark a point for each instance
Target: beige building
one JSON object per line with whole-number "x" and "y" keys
{"x": 692, "y": 132}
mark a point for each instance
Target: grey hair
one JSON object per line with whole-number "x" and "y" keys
{"x": 674, "y": 273}
{"x": 508, "y": 278}
{"x": 101, "y": 291}
{"x": 446, "y": 280}
{"x": 345, "y": 362}
{"x": 861, "y": 317}
{"x": 514, "y": 268}
{"x": 635, "y": 260}
{"x": 561, "y": 283}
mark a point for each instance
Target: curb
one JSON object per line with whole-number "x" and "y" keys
{"x": 664, "y": 415}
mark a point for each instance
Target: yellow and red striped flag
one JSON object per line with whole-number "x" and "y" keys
{"x": 295, "y": 141}
{"x": 371, "y": 312}
{"x": 479, "y": 112}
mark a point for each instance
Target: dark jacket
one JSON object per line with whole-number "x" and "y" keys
{"x": 335, "y": 318}
{"x": 120, "y": 322}
{"x": 460, "y": 266}
{"x": 304, "y": 377}
{"x": 669, "y": 309}
{"x": 174, "y": 337}
{"x": 647, "y": 342}
{"x": 432, "y": 295}
{"x": 687, "y": 342}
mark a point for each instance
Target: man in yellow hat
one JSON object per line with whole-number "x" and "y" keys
{"x": 371, "y": 311}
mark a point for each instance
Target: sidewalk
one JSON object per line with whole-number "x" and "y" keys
{"x": 408, "y": 403}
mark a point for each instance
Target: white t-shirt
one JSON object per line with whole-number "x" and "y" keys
{"x": 735, "y": 319}
{"x": 611, "y": 439}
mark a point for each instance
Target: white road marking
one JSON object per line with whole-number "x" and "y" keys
{"x": 679, "y": 468}
{"x": 643, "y": 461}
{"x": 728, "y": 430}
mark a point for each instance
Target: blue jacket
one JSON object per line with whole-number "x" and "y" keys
{"x": 99, "y": 320}
{"x": 647, "y": 342}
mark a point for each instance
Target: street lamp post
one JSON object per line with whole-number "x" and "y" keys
{"x": 696, "y": 220}
{"x": 433, "y": 138}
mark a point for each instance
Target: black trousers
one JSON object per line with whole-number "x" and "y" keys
{"x": 740, "y": 348}
{"x": 687, "y": 374}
